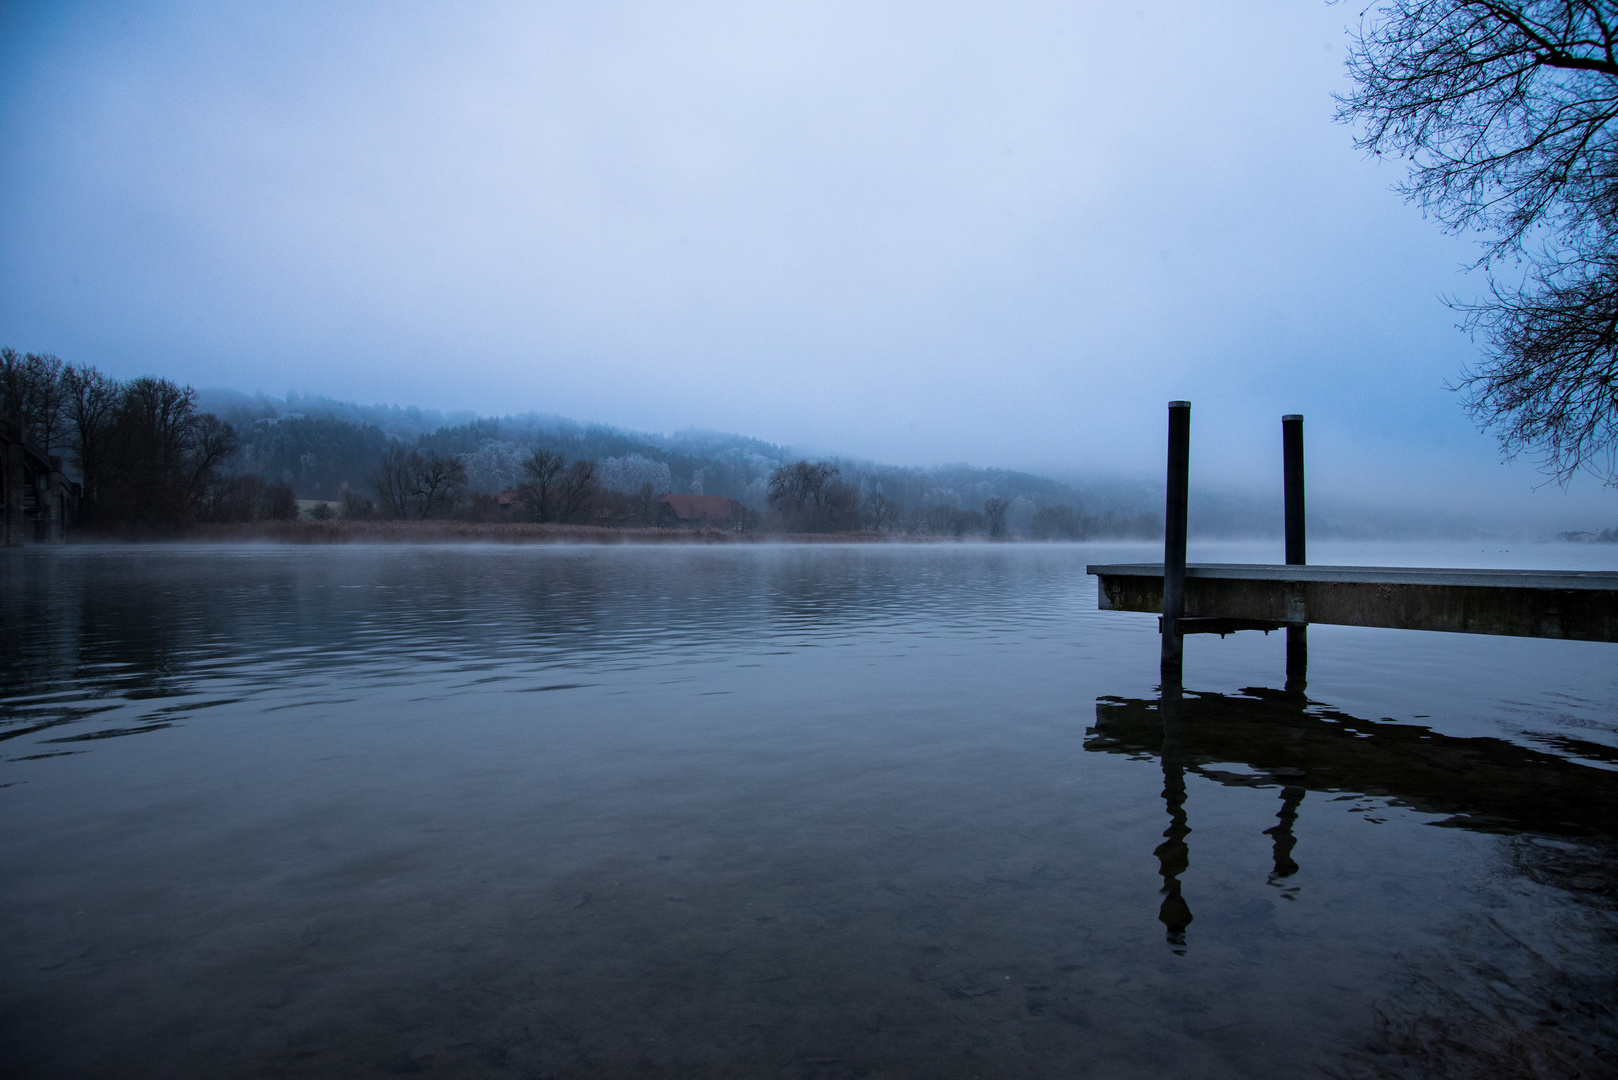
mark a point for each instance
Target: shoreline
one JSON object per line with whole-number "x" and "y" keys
{"x": 503, "y": 532}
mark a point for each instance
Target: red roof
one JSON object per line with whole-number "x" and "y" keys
{"x": 702, "y": 507}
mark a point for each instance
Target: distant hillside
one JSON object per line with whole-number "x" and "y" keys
{"x": 321, "y": 447}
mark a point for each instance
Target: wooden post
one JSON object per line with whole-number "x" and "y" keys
{"x": 1292, "y": 482}
{"x": 1292, "y": 485}
{"x": 1174, "y": 514}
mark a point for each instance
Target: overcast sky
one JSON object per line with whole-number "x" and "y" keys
{"x": 999, "y": 233}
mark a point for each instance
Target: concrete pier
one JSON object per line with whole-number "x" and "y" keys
{"x": 1223, "y": 598}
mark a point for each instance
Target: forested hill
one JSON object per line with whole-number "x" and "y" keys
{"x": 150, "y": 456}
{"x": 322, "y": 447}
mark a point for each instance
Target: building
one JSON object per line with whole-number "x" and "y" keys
{"x": 716, "y": 511}
{"x": 35, "y": 497}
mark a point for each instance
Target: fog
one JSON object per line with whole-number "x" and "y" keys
{"x": 1001, "y": 234}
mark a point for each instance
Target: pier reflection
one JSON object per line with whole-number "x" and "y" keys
{"x": 1284, "y": 740}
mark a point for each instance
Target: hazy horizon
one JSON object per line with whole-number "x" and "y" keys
{"x": 909, "y": 234}
{"x": 1215, "y": 505}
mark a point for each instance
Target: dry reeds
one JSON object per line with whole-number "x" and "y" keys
{"x": 472, "y": 532}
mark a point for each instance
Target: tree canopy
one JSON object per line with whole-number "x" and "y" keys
{"x": 1506, "y": 110}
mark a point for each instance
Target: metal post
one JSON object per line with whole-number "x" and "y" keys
{"x": 1179, "y": 476}
{"x": 1292, "y": 485}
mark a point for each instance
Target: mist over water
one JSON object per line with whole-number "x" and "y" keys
{"x": 804, "y": 811}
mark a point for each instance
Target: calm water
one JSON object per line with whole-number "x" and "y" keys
{"x": 782, "y": 812}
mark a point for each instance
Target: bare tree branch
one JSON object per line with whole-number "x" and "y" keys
{"x": 1507, "y": 111}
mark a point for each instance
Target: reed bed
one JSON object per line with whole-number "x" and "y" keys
{"x": 502, "y": 532}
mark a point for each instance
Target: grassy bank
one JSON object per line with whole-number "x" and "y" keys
{"x": 464, "y": 532}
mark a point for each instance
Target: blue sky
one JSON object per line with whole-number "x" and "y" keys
{"x": 998, "y": 233}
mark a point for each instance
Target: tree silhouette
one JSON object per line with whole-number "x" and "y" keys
{"x": 1506, "y": 111}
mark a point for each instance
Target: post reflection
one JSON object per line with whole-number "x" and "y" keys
{"x": 1174, "y": 856}
{"x": 1297, "y": 659}
{"x": 1286, "y": 741}
{"x": 1285, "y": 841}
{"x": 1174, "y": 853}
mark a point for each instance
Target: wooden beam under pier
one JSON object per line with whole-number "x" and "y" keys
{"x": 1569, "y": 604}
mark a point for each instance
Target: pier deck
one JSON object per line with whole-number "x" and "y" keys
{"x": 1224, "y": 597}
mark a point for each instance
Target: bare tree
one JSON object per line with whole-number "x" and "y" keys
{"x": 148, "y": 459}
{"x": 995, "y": 511}
{"x": 152, "y": 436}
{"x": 13, "y": 386}
{"x": 395, "y": 482}
{"x": 212, "y": 442}
{"x": 811, "y": 496}
{"x": 45, "y": 394}
{"x": 158, "y": 416}
{"x": 576, "y": 490}
{"x": 31, "y": 396}
{"x": 416, "y": 484}
{"x": 542, "y": 468}
{"x": 1508, "y": 111}
{"x": 90, "y": 401}
{"x": 439, "y": 481}
{"x": 800, "y": 485}
{"x": 882, "y": 511}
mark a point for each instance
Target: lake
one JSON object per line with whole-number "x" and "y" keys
{"x": 795, "y": 811}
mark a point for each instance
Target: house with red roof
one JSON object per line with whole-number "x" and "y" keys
{"x": 698, "y": 510}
